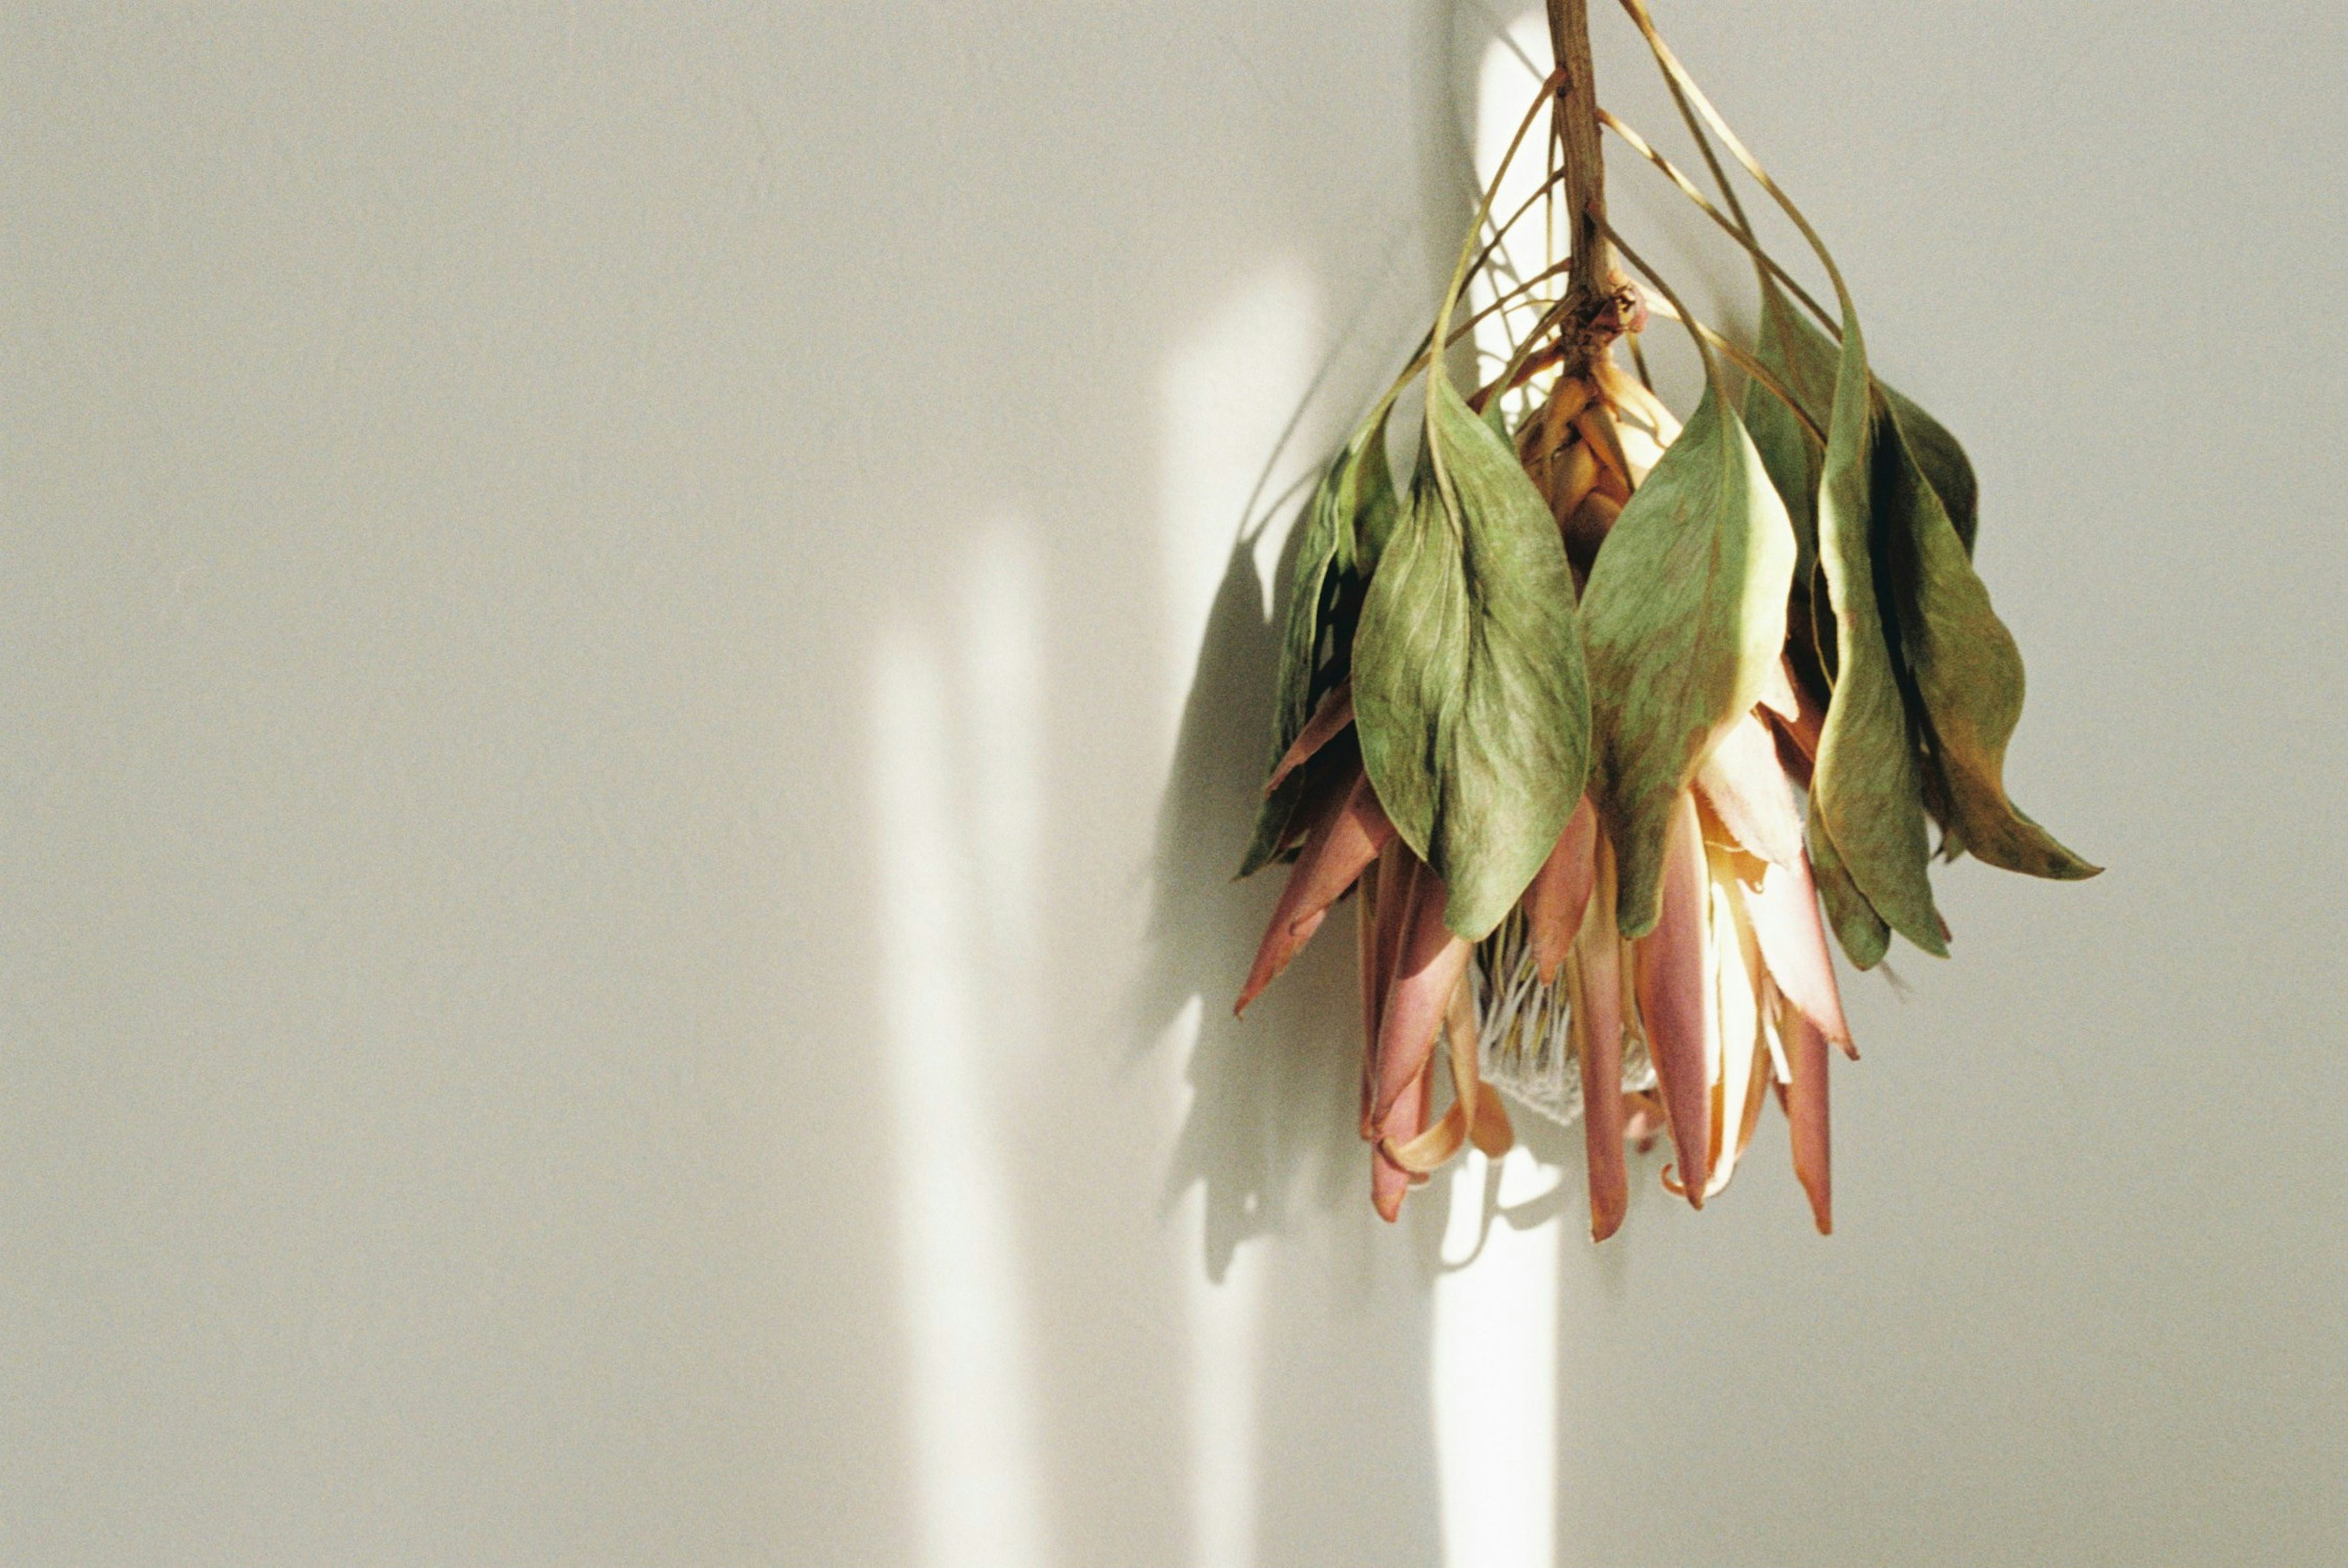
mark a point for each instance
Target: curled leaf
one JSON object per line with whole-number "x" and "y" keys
{"x": 1350, "y": 514}
{"x": 1684, "y": 618}
{"x": 1803, "y": 360}
{"x": 1469, "y": 693}
{"x": 1860, "y": 930}
{"x": 1941, "y": 461}
{"x": 1965, "y": 667}
{"x": 1865, "y": 787}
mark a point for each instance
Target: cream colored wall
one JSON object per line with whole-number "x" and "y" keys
{"x": 626, "y": 689}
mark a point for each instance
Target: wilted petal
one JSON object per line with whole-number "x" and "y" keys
{"x": 1739, "y": 1064}
{"x": 1806, "y": 1111}
{"x": 1559, "y": 893}
{"x": 1594, "y": 981}
{"x": 1676, "y": 997}
{"x": 1403, "y": 1119}
{"x": 1785, "y": 911}
{"x": 1778, "y": 692}
{"x": 1433, "y": 959}
{"x": 1476, "y": 1112}
{"x": 1596, "y": 425}
{"x": 1803, "y": 727}
{"x": 1334, "y": 856}
{"x": 1745, "y": 785}
{"x": 1573, "y": 472}
{"x": 1329, "y": 720}
{"x": 1393, "y": 879}
{"x": 1642, "y": 1119}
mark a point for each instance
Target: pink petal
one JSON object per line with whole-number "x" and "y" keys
{"x": 1559, "y": 893}
{"x": 1745, "y": 785}
{"x": 1806, "y": 1111}
{"x": 1675, "y": 1000}
{"x": 1404, "y": 1121}
{"x": 1396, "y": 872}
{"x": 1785, "y": 911}
{"x": 1335, "y": 854}
{"x": 1432, "y": 961}
{"x": 1328, "y": 722}
{"x": 1594, "y": 992}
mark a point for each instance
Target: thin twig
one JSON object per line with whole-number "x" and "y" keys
{"x": 1743, "y": 236}
{"x": 1704, "y": 334}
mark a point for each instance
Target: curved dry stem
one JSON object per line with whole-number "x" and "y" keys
{"x": 1547, "y": 187}
{"x": 1678, "y": 312}
{"x": 1677, "y": 75}
{"x": 1467, "y": 248}
{"x": 1742, "y": 234}
{"x": 1704, "y": 334}
{"x": 1529, "y": 345}
{"x": 1419, "y": 356}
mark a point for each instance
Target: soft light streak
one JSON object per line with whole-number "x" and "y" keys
{"x": 1232, "y": 394}
{"x": 957, "y": 745}
{"x": 1495, "y": 1374}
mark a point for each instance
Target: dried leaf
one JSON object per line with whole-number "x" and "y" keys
{"x": 1684, "y": 617}
{"x": 1469, "y": 693}
{"x": 1864, "y": 937}
{"x": 1347, "y": 522}
{"x": 1803, "y": 359}
{"x": 1865, "y": 787}
{"x": 1966, "y": 669}
{"x": 1944, "y": 461}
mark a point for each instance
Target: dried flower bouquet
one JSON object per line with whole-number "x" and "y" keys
{"x": 1609, "y": 717}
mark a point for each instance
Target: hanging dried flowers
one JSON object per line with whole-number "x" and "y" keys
{"x": 1602, "y": 711}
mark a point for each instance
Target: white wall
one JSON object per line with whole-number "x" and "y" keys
{"x": 626, "y": 687}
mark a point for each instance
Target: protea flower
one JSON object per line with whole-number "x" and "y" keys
{"x": 1601, "y": 712}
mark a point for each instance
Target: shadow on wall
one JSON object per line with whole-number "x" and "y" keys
{"x": 1270, "y": 1122}
{"x": 1282, "y": 1408}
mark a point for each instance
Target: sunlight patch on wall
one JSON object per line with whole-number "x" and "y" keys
{"x": 958, "y": 746}
{"x": 1495, "y": 1373}
{"x": 1505, "y": 85}
{"x": 1238, "y": 442}
{"x": 1223, "y": 1318}
{"x": 1495, "y": 1323}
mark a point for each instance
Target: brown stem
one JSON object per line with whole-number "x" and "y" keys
{"x": 1581, "y": 165}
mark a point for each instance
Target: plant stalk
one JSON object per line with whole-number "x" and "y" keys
{"x": 1582, "y": 174}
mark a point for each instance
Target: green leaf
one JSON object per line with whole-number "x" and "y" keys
{"x": 1792, "y": 348}
{"x": 1866, "y": 787}
{"x": 1857, "y": 926}
{"x": 1350, "y": 514}
{"x": 1942, "y": 461}
{"x": 1469, "y": 693}
{"x": 1965, "y": 667}
{"x": 1684, "y": 617}
{"x": 1803, "y": 358}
